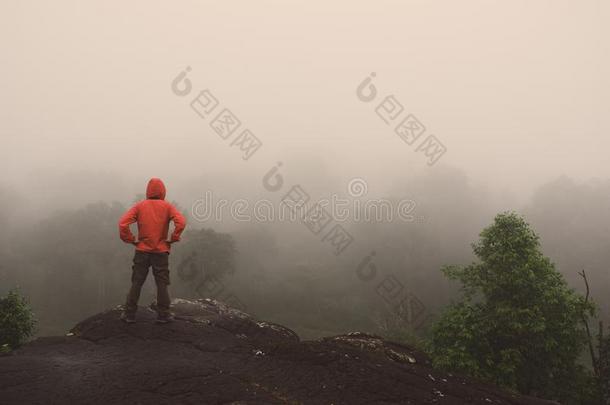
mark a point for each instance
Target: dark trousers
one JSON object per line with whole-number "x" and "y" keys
{"x": 160, "y": 267}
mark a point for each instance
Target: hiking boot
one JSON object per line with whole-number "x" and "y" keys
{"x": 165, "y": 318}
{"x": 128, "y": 318}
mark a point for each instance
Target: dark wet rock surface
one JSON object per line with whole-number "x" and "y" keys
{"x": 213, "y": 354}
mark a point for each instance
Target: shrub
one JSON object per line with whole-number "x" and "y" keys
{"x": 16, "y": 321}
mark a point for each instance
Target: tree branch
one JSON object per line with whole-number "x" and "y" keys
{"x": 586, "y": 323}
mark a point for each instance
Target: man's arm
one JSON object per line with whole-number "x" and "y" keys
{"x": 179, "y": 223}
{"x": 127, "y": 219}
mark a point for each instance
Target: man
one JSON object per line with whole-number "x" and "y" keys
{"x": 152, "y": 247}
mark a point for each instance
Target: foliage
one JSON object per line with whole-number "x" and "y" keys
{"x": 603, "y": 365}
{"x": 212, "y": 251}
{"x": 204, "y": 258}
{"x": 16, "y": 321}
{"x": 518, "y": 324}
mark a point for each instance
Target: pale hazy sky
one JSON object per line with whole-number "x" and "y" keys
{"x": 518, "y": 91}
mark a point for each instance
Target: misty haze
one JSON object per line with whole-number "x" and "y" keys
{"x": 419, "y": 190}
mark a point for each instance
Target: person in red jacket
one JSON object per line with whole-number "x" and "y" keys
{"x": 153, "y": 216}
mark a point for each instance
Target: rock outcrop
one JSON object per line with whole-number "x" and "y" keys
{"x": 213, "y": 354}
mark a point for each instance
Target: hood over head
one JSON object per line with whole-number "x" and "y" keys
{"x": 155, "y": 189}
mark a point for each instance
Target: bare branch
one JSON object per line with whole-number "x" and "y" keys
{"x": 594, "y": 359}
{"x": 584, "y": 276}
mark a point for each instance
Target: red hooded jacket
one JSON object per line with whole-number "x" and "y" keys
{"x": 153, "y": 216}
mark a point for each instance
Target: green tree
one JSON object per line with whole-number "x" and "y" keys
{"x": 518, "y": 324}
{"x": 16, "y": 321}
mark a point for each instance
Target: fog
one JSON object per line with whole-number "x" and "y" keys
{"x": 91, "y": 108}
